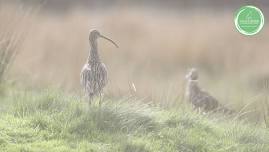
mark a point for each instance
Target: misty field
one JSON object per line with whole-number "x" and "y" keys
{"x": 42, "y": 106}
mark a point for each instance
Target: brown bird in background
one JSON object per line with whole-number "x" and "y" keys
{"x": 201, "y": 99}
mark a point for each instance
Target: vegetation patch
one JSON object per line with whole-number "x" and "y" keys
{"x": 49, "y": 120}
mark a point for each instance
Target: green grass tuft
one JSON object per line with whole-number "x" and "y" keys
{"x": 49, "y": 120}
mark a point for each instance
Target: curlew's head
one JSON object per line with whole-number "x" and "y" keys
{"x": 192, "y": 75}
{"x": 94, "y": 35}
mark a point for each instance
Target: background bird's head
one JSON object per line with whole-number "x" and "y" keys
{"x": 94, "y": 34}
{"x": 192, "y": 75}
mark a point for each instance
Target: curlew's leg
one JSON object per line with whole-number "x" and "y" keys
{"x": 90, "y": 100}
{"x": 100, "y": 99}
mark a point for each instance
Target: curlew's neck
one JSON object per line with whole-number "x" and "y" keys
{"x": 94, "y": 56}
{"x": 192, "y": 87}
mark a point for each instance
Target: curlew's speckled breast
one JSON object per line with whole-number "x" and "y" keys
{"x": 93, "y": 78}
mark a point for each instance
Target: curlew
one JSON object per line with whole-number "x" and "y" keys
{"x": 93, "y": 76}
{"x": 195, "y": 95}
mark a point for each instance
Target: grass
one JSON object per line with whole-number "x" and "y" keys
{"x": 49, "y": 120}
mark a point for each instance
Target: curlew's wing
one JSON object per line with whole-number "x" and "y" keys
{"x": 85, "y": 75}
{"x": 209, "y": 101}
{"x": 103, "y": 75}
{"x": 93, "y": 78}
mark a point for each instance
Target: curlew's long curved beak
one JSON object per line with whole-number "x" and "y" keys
{"x": 109, "y": 40}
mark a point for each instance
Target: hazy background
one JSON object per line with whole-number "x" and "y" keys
{"x": 159, "y": 41}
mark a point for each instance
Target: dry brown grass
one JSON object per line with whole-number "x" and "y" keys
{"x": 13, "y": 28}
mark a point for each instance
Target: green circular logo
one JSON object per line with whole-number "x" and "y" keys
{"x": 249, "y": 20}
